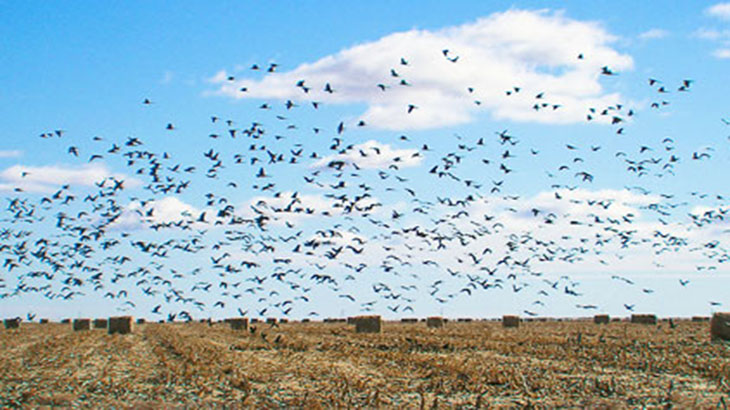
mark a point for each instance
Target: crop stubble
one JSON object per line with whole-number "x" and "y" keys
{"x": 323, "y": 365}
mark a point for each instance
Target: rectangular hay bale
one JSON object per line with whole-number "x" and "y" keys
{"x": 644, "y": 319}
{"x": 13, "y": 323}
{"x": 100, "y": 323}
{"x": 601, "y": 319}
{"x": 368, "y": 324}
{"x": 238, "y": 323}
{"x": 510, "y": 321}
{"x": 81, "y": 324}
{"x": 720, "y": 326}
{"x": 44, "y": 321}
{"x": 434, "y": 322}
{"x": 120, "y": 324}
{"x": 140, "y": 321}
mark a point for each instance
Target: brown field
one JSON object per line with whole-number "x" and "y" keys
{"x": 311, "y": 365}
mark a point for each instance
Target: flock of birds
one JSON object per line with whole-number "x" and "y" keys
{"x": 283, "y": 212}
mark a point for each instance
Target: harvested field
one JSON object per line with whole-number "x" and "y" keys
{"x": 312, "y": 365}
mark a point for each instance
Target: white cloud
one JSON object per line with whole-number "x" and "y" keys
{"x": 653, "y": 34}
{"x": 167, "y": 77}
{"x": 720, "y": 10}
{"x": 48, "y": 178}
{"x": 10, "y": 153}
{"x": 722, "y": 53}
{"x": 578, "y": 221}
{"x": 170, "y": 209}
{"x": 711, "y": 34}
{"x": 535, "y": 50}
{"x": 720, "y": 36}
{"x": 373, "y": 155}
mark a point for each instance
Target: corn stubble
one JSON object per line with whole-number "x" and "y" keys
{"x": 312, "y": 365}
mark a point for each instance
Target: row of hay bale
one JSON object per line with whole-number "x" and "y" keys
{"x": 719, "y": 324}
{"x": 118, "y": 324}
{"x": 114, "y": 325}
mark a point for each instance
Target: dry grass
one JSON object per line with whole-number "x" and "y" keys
{"x": 313, "y": 365}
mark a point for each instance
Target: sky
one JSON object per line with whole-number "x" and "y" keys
{"x": 325, "y": 159}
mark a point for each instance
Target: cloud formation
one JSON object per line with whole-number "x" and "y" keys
{"x": 720, "y": 10}
{"x": 423, "y": 79}
{"x": 653, "y": 34}
{"x": 371, "y": 155}
{"x": 10, "y": 153}
{"x": 43, "y": 179}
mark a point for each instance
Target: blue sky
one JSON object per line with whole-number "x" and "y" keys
{"x": 85, "y": 68}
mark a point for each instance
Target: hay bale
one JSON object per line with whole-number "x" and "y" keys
{"x": 81, "y": 324}
{"x": 601, "y": 319}
{"x": 644, "y": 319}
{"x": 700, "y": 319}
{"x": 409, "y": 320}
{"x": 283, "y": 320}
{"x": 100, "y": 323}
{"x": 510, "y": 321}
{"x": 44, "y": 321}
{"x": 120, "y": 324}
{"x": 254, "y": 320}
{"x": 65, "y": 321}
{"x": 720, "y": 326}
{"x": 368, "y": 324}
{"x": 434, "y": 322}
{"x": 306, "y": 320}
{"x": 140, "y": 321}
{"x": 464, "y": 319}
{"x": 238, "y": 323}
{"x": 271, "y": 321}
{"x": 13, "y": 323}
